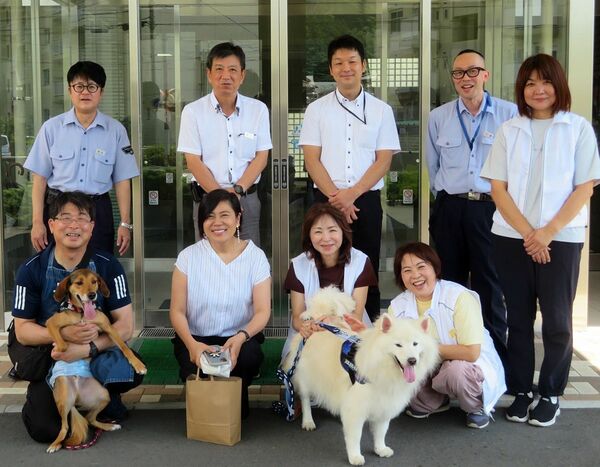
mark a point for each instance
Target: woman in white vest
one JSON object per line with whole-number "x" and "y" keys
{"x": 327, "y": 259}
{"x": 471, "y": 370}
{"x": 543, "y": 166}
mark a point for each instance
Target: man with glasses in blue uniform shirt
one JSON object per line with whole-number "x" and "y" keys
{"x": 460, "y": 135}
{"x": 87, "y": 151}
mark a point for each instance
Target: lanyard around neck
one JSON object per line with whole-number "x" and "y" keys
{"x": 462, "y": 124}
{"x": 364, "y": 119}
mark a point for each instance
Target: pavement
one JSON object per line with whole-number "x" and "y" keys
{"x": 158, "y": 438}
{"x": 154, "y": 434}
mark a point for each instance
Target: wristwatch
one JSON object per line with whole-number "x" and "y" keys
{"x": 126, "y": 225}
{"x": 93, "y": 350}
{"x": 245, "y": 333}
{"x": 239, "y": 189}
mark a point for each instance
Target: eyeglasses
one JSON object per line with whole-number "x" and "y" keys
{"x": 471, "y": 72}
{"x": 68, "y": 220}
{"x": 78, "y": 88}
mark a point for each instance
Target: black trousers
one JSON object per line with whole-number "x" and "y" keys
{"x": 247, "y": 367}
{"x": 40, "y": 415}
{"x": 366, "y": 237}
{"x": 461, "y": 230}
{"x": 524, "y": 283}
{"x": 103, "y": 236}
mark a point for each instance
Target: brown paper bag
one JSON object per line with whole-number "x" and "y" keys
{"x": 213, "y": 409}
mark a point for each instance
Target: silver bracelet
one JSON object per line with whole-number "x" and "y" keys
{"x": 126, "y": 225}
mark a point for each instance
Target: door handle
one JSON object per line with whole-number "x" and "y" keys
{"x": 284, "y": 173}
{"x": 275, "y": 174}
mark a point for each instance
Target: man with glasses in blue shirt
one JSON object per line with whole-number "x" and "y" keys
{"x": 87, "y": 151}
{"x": 460, "y": 135}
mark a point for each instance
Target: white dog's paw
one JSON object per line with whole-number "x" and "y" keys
{"x": 309, "y": 425}
{"x": 356, "y": 459}
{"x": 53, "y": 448}
{"x": 384, "y": 451}
{"x": 115, "y": 427}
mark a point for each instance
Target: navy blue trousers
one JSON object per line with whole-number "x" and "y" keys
{"x": 553, "y": 285}
{"x": 461, "y": 230}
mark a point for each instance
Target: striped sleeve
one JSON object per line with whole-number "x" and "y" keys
{"x": 27, "y": 293}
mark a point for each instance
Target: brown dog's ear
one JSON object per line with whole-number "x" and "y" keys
{"x": 102, "y": 287}
{"x": 62, "y": 289}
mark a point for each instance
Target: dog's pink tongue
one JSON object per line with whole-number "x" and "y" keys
{"x": 409, "y": 373}
{"x": 89, "y": 310}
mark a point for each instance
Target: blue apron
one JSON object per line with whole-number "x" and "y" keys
{"x": 110, "y": 366}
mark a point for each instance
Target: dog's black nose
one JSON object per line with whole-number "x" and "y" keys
{"x": 92, "y": 296}
{"x": 412, "y": 361}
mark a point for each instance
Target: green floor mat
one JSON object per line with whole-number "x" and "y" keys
{"x": 157, "y": 354}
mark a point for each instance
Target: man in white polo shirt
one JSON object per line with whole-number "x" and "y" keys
{"x": 226, "y": 136}
{"x": 348, "y": 138}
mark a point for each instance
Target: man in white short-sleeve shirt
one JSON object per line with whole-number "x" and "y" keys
{"x": 348, "y": 138}
{"x": 226, "y": 136}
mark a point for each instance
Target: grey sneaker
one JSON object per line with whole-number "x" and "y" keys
{"x": 545, "y": 412}
{"x": 519, "y": 409}
{"x": 416, "y": 414}
{"x": 478, "y": 419}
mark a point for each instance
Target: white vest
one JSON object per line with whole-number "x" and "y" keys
{"x": 307, "y": 273}
{"x": 559, "y": 165}
{"x": 443, "y": 303}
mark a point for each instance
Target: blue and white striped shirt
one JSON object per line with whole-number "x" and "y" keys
{"x": 219, "y": 295}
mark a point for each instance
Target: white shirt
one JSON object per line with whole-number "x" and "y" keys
{"x": 219, "y": 295}
{"x": 227, "y": 144}
{"x": 347, "y": 143}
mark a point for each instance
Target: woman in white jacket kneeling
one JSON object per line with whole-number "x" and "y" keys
{"x": 471, "y": 371}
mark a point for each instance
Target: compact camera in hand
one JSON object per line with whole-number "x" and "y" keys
{"x": 217, "y": 357}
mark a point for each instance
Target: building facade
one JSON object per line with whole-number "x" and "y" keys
{"x": 154, "y": 54}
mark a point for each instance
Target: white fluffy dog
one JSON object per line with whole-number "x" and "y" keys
{"x": 330, "y": 302}
{"x": 393, "y": 358}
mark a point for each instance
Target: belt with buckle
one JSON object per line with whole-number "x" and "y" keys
{"x": 252, "y": 189}
{"x": 474, "y": 196}
{"x": 52, "y": 193}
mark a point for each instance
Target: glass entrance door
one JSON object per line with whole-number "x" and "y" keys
{"x": 391, "y": 35}
{"x": 175, "y": 39}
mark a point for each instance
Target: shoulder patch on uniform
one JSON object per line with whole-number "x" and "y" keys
{"x": 127, "y": 150}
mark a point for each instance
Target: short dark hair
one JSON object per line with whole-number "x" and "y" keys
{"x": 420, "y": 250}
{"x": 210, "y": 202}
{"x": 89, "y": 70}
{"x": 225, "y": 49}
{"x": 345, "y": 42}
{"x": 548, "y": 68}
{"x": 315, "y": 212}
{"x": 81, "y": 201}
{"x": 469, "y": 51}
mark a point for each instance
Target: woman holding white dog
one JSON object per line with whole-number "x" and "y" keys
{"x": 543, "y": 167}
{"x": 221, "y": 293}
{"x": 471, "y": 371}
{"x": 327, "y": 259}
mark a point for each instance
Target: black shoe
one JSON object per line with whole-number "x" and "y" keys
{"x": 115, "y": 411}
{"x": 545, "y": 412}
{"x": 519, "y": 409}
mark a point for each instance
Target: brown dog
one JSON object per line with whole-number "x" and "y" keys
{"x": 81, "y": 288}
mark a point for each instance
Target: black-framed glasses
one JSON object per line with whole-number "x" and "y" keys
{"x": 471, "y": 72}
{"x": 78, "y": 88}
